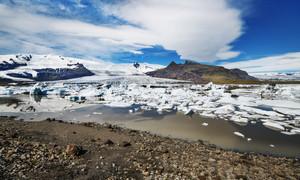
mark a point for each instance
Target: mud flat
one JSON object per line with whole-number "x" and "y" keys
{"x": 54, "y": 149}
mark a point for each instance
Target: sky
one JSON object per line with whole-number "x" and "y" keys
{"x": 254, "y": 35}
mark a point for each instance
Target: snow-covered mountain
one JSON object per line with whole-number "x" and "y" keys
{"x": 278, "y": 75}
{"x": 53, "y": 67}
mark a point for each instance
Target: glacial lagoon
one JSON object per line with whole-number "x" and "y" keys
{"x": 246, "y": 137}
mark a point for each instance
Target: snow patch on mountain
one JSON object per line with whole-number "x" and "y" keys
{"x": 278, "y": 75}
{"x": 27, "y": 67}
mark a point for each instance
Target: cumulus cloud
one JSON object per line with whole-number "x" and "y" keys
{"x": 200, "y": 30}
{"x": 196, "y": 29}
{"x": 282, "y": 63}
{"x": 64, "y": 36}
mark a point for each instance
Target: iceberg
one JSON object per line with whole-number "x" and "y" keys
{"x": 274, "y": 126}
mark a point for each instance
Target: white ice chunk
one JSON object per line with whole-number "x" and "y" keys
{"x": 296, "y": 131}
{"x": 188, "y": 112}
{"x": 289, "y": 111}
{"x": 259, "y": 111}
{"x": 226, "y": 109}
{"x": 239, "y": 134}
{"x": 6, "y": 91}
{"x": 273, "y": 125}
{"x": 288, "y": 133}
{"x": 239, "y": 119}
{"x": 204, "y": 124}
{"x": 119, "y": 104}
{"x": 90, "y": 91}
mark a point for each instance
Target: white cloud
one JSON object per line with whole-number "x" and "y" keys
{"x": 286, "y": 62}
{"x": 197, "y": 29}
{"x": 225, "y": 53}
{"x": 76, "y": 36}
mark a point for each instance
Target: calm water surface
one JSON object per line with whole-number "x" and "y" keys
{"x": 172, "y": 124}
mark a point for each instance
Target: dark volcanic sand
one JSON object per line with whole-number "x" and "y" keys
{"x": 37, "y": 150}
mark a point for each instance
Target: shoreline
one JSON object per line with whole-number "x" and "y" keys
{"x": 108, "y": 151}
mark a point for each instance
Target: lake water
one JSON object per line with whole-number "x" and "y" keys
{"x": 172, "y": 124}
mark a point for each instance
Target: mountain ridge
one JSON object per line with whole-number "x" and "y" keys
{"x": 202, "y": 73}
{"x": 53, "y": 67}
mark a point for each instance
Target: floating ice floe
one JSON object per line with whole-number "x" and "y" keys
{"x": 6, "y": 91}
{"x": 288, "y": 111}
{"x": 90, "y": 91}
{"x": 239, "y": 134}
{"x": 119, "y": 104}
{"x": 210, "y": 100}
{"x": 204, "y": 124}
{"x": 274, "y": 126}
{"x": 288, "y": 133}
{"x": 295, "y": 131}
{"x": 239, "y": 120}
{"x": 226, "y": 109}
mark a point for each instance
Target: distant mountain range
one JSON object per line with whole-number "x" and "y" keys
{"x": 52, "y": 68}
{"x": 284, "y": 76}
{"x": 200, "y": 73}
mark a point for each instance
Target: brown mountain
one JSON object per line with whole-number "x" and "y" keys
{"x": 200, "y": 73}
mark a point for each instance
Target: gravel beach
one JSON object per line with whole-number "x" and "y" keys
{"x": 53, "y": 149}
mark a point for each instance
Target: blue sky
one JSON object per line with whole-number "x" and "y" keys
{"x": 271, "y": 28}
{"x": 219, "y": 32}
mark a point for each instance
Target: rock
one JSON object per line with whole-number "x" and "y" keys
{"x": 125, "y": 144}
{"x": 108, "y": 142}
{"x": 189, "y": 112}
{"x": 234, "y": 96}
{"x": 242, "y": 177}
{"x": 23, "y": 157}
{"x": 74, "y": 150}
{"x": 211, "y": 160}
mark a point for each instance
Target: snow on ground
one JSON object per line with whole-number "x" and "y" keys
{"x": 277, "y": 107}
